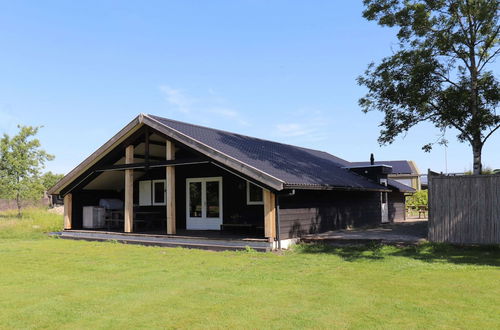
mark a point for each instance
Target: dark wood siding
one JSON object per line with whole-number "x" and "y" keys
{"x": 309, "y": 212}
{"x": 83, "y": 198}
{"x": 234, "y": 206}
{"x": 397, "y": 206}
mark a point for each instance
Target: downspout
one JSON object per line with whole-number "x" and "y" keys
{"x": 277, "y": 202}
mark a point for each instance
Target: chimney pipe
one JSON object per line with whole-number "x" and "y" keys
{"x": 372, "y": 159}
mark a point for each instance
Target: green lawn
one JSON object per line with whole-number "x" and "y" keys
{"x": 54, "y": 283}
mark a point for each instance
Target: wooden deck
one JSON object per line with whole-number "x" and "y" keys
{"x": 208, "y": 240}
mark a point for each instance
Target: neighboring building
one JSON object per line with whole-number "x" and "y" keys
{"x": 403, "y": 171}
{"x": 160, "y": 176}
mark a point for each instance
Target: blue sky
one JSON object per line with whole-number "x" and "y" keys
{"x": 279, "y": 70}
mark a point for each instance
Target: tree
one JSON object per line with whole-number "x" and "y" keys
{"x": 49, "y": 179}
{"x": 21, "y": 162}
{"x": 440, "y": 73}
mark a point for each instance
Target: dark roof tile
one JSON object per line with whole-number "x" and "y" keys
{"x": 290, "y": 164}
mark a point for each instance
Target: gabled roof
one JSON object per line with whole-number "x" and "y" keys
{"x": 277, "y": 165}
{"x": 294, "y": 166}
{"x": 398, "y": 166}
{"x": 400, "y": 187}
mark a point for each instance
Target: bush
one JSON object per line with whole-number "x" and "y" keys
{"x": 417, "y": 199}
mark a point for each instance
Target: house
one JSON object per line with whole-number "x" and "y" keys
{"x": 167, "y": 181}
{"x": 403, "y": 171}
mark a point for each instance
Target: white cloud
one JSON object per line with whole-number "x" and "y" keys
{"x": 177, "y": 98}
{"x": 229, "y": 114}
{"x": 304, "y": 126}
{"x": 207, "y": 110}
{"x": 293, "y": 129}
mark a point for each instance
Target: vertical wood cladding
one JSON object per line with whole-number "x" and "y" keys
{"x": 309, "y": 212}
{"x": 397, "y": 206}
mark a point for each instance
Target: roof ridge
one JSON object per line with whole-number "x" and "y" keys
{"x": 379, "y": 161}
{"x": 247, "y": 136}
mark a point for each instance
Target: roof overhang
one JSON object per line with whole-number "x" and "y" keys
{"x": 118, "y": 138}
{"x": 331, "y": 187}
{"x": 168, "y": 132}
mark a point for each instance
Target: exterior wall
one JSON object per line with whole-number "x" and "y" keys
{"x": 309, "y": 212}
{"x": 234, "y": 206}
{"x": 83, "y": 198}
{"x": 397, "y": 206}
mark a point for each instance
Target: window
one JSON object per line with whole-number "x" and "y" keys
{"x": 152, "y": 192}
{"x": 255, "y": 195}
{"x": 159, "y": 192}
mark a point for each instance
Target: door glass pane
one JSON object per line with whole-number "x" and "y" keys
{"x": 213, "y": 199}
{"x": 195, "y": 199}
{"x": 159, "y": 192}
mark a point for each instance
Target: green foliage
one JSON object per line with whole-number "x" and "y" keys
{"x": 21, "y": 162}
{"x": 442, "y": 72}
{"x": 49, "y": 179}
{"x": 419, "y": 198}
{"x": 486, "y": 170}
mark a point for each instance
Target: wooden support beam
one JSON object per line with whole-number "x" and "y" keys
{"x": 157, "y": 143}
{"x": 170, "y": 173}
{"x": 269, "y": 214}
{"x": 148, "y": 158}
{"x": 129, "y": 191}
{"x": 68, "y": 210}
{"x": 163, "y": 163}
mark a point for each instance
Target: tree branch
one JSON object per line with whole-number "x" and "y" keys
{"x": 490, "y": 133}
{"x": 488, "y": 59}
{"x": 458, "y": 127}
{"x": 488, "y": 44}
{"x": 447, "y": 79}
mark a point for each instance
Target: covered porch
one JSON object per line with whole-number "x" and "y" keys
{"x": 149, "y": 184}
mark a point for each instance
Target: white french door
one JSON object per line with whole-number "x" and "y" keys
{"x": 204, "y": 203}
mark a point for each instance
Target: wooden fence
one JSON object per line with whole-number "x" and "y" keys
{"x": 464, "y": 209}
{"x": 10, "y": 204}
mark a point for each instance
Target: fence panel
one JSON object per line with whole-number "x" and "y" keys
{"x": 464, "y": 209}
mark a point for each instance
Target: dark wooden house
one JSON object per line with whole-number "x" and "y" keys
{"x": 161, "y": 180}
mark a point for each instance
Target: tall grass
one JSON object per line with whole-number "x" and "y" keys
{"x": 33, "y": 224}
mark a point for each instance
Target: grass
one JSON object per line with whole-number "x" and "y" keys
{"x": 54, "y": 283}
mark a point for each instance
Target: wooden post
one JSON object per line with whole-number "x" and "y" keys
{"x": 68, "y": 209}
{"x": 129, "y": 191}
{"x": 269, "y": 214}
{"x": 170, "y": 173}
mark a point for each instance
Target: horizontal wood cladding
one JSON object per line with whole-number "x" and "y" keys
{"x": 397, "y": 206}
{"x": 310, "y": 212}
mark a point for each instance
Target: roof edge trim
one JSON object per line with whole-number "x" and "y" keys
{"x": 118, "y": 138}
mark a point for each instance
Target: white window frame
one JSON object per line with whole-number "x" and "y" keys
{"x": 249, "y": 202}
{"x": 153, "y": 193}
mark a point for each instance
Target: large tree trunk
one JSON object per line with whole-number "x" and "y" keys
{"x": 476, "y": 151}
